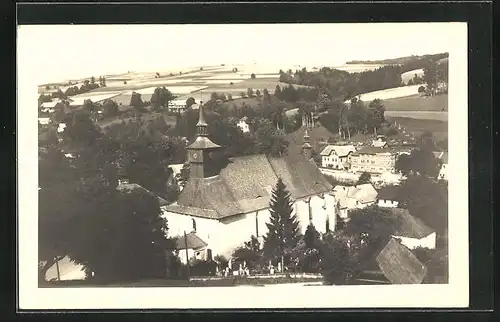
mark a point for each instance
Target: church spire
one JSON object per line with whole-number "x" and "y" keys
{"x": 201, "y": 126}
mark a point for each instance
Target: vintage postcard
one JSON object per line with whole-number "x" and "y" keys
{"x": 263, "y": 173}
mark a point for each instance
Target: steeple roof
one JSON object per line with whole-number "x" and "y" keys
{"x": 202, "y": 141}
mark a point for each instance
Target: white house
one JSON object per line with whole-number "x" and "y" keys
{"x": 412, "y": 231}
{"x": 243, "y": 125}
{"x": 388, "y": 197}
{"x": 380, "y": 141}
{"x": 177, "y": 105}
{"x": 225, "y": 202}
{"x": 336, "y": 156}
{"x": 44, "y": 120}
{"x": 353, "y": 197}
{"x": 196, "y": 248}
{"x": 443, "y": 172}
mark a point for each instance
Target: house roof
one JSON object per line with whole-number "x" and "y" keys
{"x": 124, "y": 187}
{"x": 399, "y": 265}
{"x": 193, "y": 241}
{"x": 372, "y": 150}
{"x": 389, "y": 193}
{"x": 409, "y": 226}
{"x": 246, "y": 183}
{"x": 348, "y": 196}
{"x": 340, "y": 150}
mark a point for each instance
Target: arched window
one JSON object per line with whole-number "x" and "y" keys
{"x": 194, "y": 224}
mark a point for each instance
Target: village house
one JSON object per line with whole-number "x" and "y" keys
{"x": 373, "y": 160}
{"x": 225, "y": 202}
{"x": 196, "y": 248}
{"x": 443, "y": 171}
{"x": 336, "y": 156}
{"x": 412, "y": 231}
{"x": 380, "y": 141}
{"x": 353, "y": 197}
{"x": 388, "y": 197}
{"x": 177, "y": 105}
{"x": 243, "y": 125}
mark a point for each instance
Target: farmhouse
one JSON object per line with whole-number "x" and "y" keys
{"x": 388, "y": 197}
{"x": 373, "y": 160}
{"x": 443, "y": 172}
{"x": 226, "y": 201}
{"x": 336, "y": 156}
{"x": 412, "y": 231}
{"x": 353, "y": 197}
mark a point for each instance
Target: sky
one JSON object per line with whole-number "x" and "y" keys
{"x": 62, "y": 52}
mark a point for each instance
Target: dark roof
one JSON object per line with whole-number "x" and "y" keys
{"x": 125, "y": 187}
{"x": 245, "y": 185}
{"x": 399, "y": 265}
{"x": 202, "y": 142}
{"x": 193, "y": 241}
{"x": 389, "y": 193}
{"x": 372, "y": 150}
{"x": 410, "y": 226}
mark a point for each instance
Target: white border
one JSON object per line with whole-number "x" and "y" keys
{"x": 455, "y": 294}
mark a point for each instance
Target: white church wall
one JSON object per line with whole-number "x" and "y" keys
{"x": 302, "y": 214}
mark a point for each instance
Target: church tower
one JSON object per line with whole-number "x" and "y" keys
{"x": 200, "y": 152}
{"x": 306, "y": 147}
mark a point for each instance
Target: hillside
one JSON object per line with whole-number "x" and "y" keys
{"x": 319, "y": 135}
{"x": 400, "y": 60}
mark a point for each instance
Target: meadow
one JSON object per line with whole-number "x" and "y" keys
{"x": 438, "y": 103}
{"x": 438, "y": 128}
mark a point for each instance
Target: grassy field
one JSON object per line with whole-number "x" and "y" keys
{"x": 438, "y": 128}
{"x": 417, "y": 103}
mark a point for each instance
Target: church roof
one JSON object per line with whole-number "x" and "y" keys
{"x": 245, "y": 185}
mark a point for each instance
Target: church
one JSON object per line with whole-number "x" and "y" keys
{"x": 226, "y": 201}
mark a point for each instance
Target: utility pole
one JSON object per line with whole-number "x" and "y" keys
{"x": 57, "y": 268}
{"x": 187, "y": 256}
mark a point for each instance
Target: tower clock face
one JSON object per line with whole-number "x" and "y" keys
{"x": 194, "y": 155}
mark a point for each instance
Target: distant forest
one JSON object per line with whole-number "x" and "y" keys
{"x": 342, "y": 85}
{"x": 400, "y": 60}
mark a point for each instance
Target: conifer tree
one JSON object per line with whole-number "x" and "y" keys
{"x": 283, "y": 228}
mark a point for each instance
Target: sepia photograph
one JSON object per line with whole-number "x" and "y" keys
{"x": 213, "y": 163}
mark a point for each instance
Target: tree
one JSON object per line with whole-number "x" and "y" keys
{"x": 184, "y": 175}
{"x": 250, "y": 253}
{"x": 136, "y": 100}
{"x": 101, "y": 236}
{"x": 426, "y": 200}
{"x": 257, "y": 93}
{"x": 229, "y": 97}
{"x": 365, "y": 177}
{"x": 421, "y": 89}
{"x": 243, "y": 95}
{"x": 252, "y": 76}
{"x": 419, "y": 161}
{"x": 110, "y": 108}
{"x": 92, "y": 80}
{"x": 277, "y": 92}
{"x": 436, "y": 262}
{"x": 250, "y": 92}
{"x": 430, "y": 77}
{"x": 283, "y": 228}
{"x": 190, "y": 102}
{"x": 311, "y": 237}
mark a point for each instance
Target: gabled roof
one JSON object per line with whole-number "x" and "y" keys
{"x": 340, "y": 150}
{"x": 193, "y": 241}
{"x": 245, "y": 185}
{"x": 348, "y": 196}
{"x": 389, "y": 193}
{"x": 124, "y": 187}
{"x": 409, "y": 226}
{"x": 399, "y": 265}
